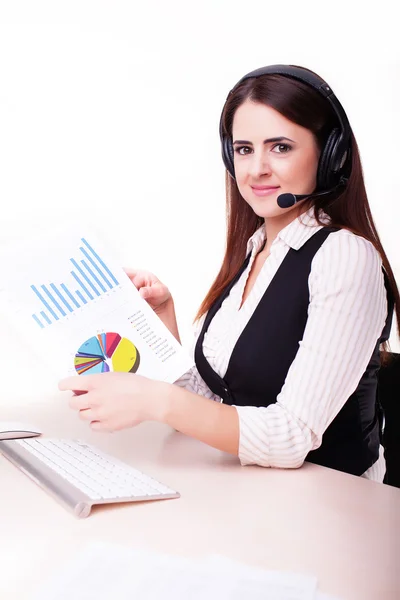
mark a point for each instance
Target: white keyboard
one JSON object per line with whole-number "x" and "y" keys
{"x": 80, "y": 475}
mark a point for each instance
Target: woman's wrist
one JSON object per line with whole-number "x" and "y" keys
{"x": 201, "y": 418}
{"x": 164, "y": 401}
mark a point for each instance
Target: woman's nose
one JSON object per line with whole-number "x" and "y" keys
{"x": 259, "y": 165}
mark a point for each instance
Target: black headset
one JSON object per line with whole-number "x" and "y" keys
{"x": 334, "y": 160}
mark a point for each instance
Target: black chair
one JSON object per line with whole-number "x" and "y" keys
{"x": 389, "y": 396}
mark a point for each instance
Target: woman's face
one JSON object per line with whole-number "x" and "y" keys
{"x": 272, "y": 155}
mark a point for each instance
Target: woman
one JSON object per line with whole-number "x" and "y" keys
{"x": 288, "y": 341}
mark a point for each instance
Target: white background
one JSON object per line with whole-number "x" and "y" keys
{"x": 109, "y": 114}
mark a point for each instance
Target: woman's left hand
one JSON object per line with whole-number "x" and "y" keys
{"x": 114, "y": 401}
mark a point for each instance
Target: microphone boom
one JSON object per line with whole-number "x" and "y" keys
{"x": 287, "y": 200}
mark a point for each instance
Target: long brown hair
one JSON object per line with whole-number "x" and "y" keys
{"x": 348, "y": 209}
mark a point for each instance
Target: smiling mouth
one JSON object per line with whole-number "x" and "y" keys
{"x": 264, "y": 191}
{"x": 264, "y": 187}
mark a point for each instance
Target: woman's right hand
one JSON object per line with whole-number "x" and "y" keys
{"x": 156, "y": 294}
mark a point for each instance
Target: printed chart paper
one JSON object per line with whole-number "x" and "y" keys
{"x": 77, "y": 309}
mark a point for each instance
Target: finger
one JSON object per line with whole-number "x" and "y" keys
{"x": 100, "y": 426}
{"x": 146, "y": 292}
{"x": 138, "y": 278}
{"x": 161, "y": 290}
{"x": 88, "y": 414}
{"x": 78, "y": 383}
{"x": 130, "y": 272}
{"x": 79, "y": 403}
{"x": 156, "y": 291}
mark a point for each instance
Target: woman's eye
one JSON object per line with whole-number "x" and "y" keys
{"x": 242, "y": 150}
{"x": 278, "y": 149}
{"x": 283, "y": 148}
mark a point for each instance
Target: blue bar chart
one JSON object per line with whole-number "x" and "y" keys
{"x": 90, "y": 278}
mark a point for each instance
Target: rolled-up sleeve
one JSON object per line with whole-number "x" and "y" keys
{"x": 346, "y": 316}
{"x": 192, "y": 380}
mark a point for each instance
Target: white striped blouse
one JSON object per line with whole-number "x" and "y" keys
{"x": 346, "y": 315}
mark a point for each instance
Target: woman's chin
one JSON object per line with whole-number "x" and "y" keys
{"x": 270, "y": 212}
{"x": 270, "y": 209}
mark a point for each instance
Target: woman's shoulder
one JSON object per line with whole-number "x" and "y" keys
{"x": 347, "y": 255}
{"x": 344, "y": 244}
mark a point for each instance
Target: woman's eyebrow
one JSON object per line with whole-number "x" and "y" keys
{"x": 268, "y": 141}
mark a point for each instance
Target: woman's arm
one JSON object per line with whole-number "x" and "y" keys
{"x": 113, "y": 401}
{"x": 346, "y": 316}
{"x": 210, "y": 422}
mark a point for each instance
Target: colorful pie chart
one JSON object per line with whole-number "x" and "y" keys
{"x": 107, "y": 352}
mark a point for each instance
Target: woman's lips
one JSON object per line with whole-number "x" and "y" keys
{"x": 264, "y": 191}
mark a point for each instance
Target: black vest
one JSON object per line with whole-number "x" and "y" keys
{"x": 266, "y": 348}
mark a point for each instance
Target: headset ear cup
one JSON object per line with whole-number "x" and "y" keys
{"x": 227, "y": 155}
{"x": 326, "y": 174}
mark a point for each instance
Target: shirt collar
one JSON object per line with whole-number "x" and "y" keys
{"x": 294, "y": 235}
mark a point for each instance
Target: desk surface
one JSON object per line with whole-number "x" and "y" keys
{"x": 343, "y": 529}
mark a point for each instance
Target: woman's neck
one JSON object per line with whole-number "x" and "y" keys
{"x": 273, "y": 225}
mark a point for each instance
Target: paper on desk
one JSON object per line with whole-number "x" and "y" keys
{"x": 255, "y": 582}
{"x": 103, "y": 571}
